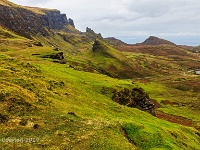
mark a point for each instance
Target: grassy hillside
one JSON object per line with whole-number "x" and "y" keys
{"x": 110, "y": 61}
{"x": 47, "y": 103}
{"x": 54, "y": 106}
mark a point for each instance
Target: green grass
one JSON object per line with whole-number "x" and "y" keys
{"x": 70, "y": 109}
{"x": 99, "y": 123}
{"x": 109, "y": 61}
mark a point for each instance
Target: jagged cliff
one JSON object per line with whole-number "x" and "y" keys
{"x": 31, "y": 20}
{"x": 90, "y": 33}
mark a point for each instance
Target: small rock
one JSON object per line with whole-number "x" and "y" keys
{"x": 72, "y": 113}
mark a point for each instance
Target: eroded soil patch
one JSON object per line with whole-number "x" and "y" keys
{"x": 175, "y": 119}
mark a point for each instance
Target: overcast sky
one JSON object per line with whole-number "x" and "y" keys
{"x": 132, "y": 20}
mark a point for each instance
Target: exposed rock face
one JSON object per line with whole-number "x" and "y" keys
{"x": 54, "y": 20}
{"x": 58, "y": 56}
{"x": 135, "y": 98}
{"x": 71, "y": 22}
{"x": 92, "y": 34}
{"x": 152, "y": 40}
{"x": 96, "y": 45}
{"x": 29, "y": 20}
{"x": 89, "y": 30}
{"x": 99, "y": 46}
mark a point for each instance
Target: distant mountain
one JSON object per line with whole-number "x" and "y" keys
{"x": 159, "y": 47}
{"x": 152, "y": 40}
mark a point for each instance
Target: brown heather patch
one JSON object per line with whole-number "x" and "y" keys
{"x": 157, "y": 50}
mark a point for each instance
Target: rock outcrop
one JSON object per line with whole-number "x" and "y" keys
{"x": 97, "y": 46}
{"x": 102, "y": 48}
{"x": 90, "y": 33}
{"x": 59, "y": 56}
{"x": 71, "y": 22}
{"x": 134, "y": 98}
{"x": 29, "y": 20}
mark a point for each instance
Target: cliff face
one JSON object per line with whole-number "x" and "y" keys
{"x": 29, "y": 20}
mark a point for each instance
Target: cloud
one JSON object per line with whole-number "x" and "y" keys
{"x": 30, "y": 2}
{"x": 130, "y": 18}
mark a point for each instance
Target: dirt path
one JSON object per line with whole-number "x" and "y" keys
{"x": 175, "y": 119}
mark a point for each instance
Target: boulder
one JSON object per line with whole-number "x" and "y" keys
{"x": 134, "y": 98}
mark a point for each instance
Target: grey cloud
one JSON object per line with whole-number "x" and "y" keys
{"x": 31, "y": 2}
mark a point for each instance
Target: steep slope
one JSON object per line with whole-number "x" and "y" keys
{"x": 48, "y": 26}
{"x": 4, "y": 33}
{"x": 111, "y": 62}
